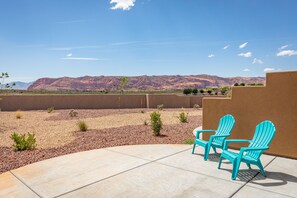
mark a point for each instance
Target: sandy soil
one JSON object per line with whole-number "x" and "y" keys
{"x": 57, "y": 128}
{"x": 57, "y": 135}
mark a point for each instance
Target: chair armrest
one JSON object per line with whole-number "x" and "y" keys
{"x": 202, "y": 131}
{"x": 217, "y": 136}
{"x": 254, "y": 149}
{"x": 225, "y": 147}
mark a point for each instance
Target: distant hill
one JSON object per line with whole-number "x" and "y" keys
{"x": 21, "y": 85}
{"x": 173, "y": 82}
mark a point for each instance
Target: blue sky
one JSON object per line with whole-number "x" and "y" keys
{"x": 55, "y": 38}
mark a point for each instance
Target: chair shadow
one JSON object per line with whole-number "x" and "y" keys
{"x": 272, "y": 178}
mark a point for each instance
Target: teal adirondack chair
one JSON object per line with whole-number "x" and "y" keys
{"x": 264, "y": 133}
{"x": 217, "y": 140}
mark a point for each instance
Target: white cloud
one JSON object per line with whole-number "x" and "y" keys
{"x": 69, "y": 55}
{"x": 268, "y": 69}
{"x": 287, "y": 53}
{"x": 83, "y": 59}
{"x": 247, "y": 54}
{"x": 246, "y": 70}
{"x": 211, "y": 55}
{"x": 122, "y": 4}
{"x": 257, "y": 61}
{"x": 226, "y": 47}
{"x": 243, "y": 45}
{"x": 283, "y": 47}
{"x": 60, "y": 49}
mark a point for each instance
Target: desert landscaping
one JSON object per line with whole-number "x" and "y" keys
{"x": 57, "y": 132}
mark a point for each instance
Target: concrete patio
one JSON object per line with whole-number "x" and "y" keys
{"x": 148, "y": 171}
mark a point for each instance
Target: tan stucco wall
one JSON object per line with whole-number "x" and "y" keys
{"x": 251, "y": 105}
{"x": 80, "y": 101}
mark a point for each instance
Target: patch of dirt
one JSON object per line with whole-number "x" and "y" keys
{"x": 102, "y": 138}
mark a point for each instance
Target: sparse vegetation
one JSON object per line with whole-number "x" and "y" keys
{"x": 73, "y": 113}
{"x": 82, "y": 125}
{"x": 189, "y": 141}
{"x": 196, "y": 106}
{"x": 183, "y": 117}
{"x": 22, "y": 142}
{"x": 187, "y": 91}
{"x": 18, "y": 114}
{"x": 156, "y": 123}
{"x": 160, "y": 107}
{"x": 142, "y": 111}
{"x": 195, "y": 91}
{"x": 145, "y": 123}
{"x": 50, "y": 109}
{"x": 3, "y": 77}
{"x": 123, "y": 83}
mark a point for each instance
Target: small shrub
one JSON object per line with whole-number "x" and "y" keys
{"x": 209, "y": 91}
{"x": 189, "y": 141}
{"x": 187, "y": 91}
{"x": 142, "y": 111}
{"x": 160, "y": 107}
{"x": 183, "y": 117}
{"x": 156, "y": 123}
{"x": 82, "y": 125}
{"x": 195, "y": 91}
{"x": 73, "y": 113}
{"x": 21, "y": 142}
{"x": 196, "y": 106}
{"x": 201, "y": 91}
{"x": 145, "y": 123}
{"x": 50, "y": 109}
{"x": 18, "y": 114}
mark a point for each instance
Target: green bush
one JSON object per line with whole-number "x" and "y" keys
{"x": 160, "y": 107}
{"x": 156, "y": 123}
{"x": 209, "y": 91}
{"x": 21, "y": 142}
{"x": 201, "y": 91}
{"x": 82, "y": 125}
{"x": 187, "y": 91}
{"x": 183, "y": 117}
{"x": 189, "y": 141}
{"x": 195, "y": 91}
{"x": 50, "y": 109}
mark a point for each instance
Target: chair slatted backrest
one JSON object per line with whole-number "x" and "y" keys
{"x": 225, "y": 127}
{"x": 264, "y": 134}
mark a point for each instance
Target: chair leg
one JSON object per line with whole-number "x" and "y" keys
{"x": 236, "y": 166}
{"x": 249, "y": 165}
{"x": 214, "y": 149}
{"x": 193, "y": 150}
{"x": 206, "y": 152}
{"x": 220, "y": 162}
{"x": 259, "y": 164}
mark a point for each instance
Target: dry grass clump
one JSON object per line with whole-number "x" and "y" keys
{"x": 82, "y": 125}
{"x": 18, "y": 114}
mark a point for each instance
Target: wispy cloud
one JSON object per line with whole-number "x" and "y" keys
{"x": 257, "y": 61}
{"x": 226, "y": 47}
{"x": 268, "y": 69}
{"x": 69, "y": 55}
{"x": 246, "y": 55}
{"x": 283, "y": 47}
{"x": 287, "y": 53}
{"x": 211, "y": 55}
{"x": 243, "y": 45}
{"x": 246, "y": 70}
{"x": 82, "y": 59}
{"x": 122, "y": 4}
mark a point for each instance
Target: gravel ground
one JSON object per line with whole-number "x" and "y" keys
{"x": 57, "y": 128}
{"x": 102, "y": 138}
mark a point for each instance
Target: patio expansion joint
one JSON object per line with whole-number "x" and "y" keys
{"x": 252, "y": 179}
{"x": 23, "y": 182}
{"x": 148, "y": 162}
